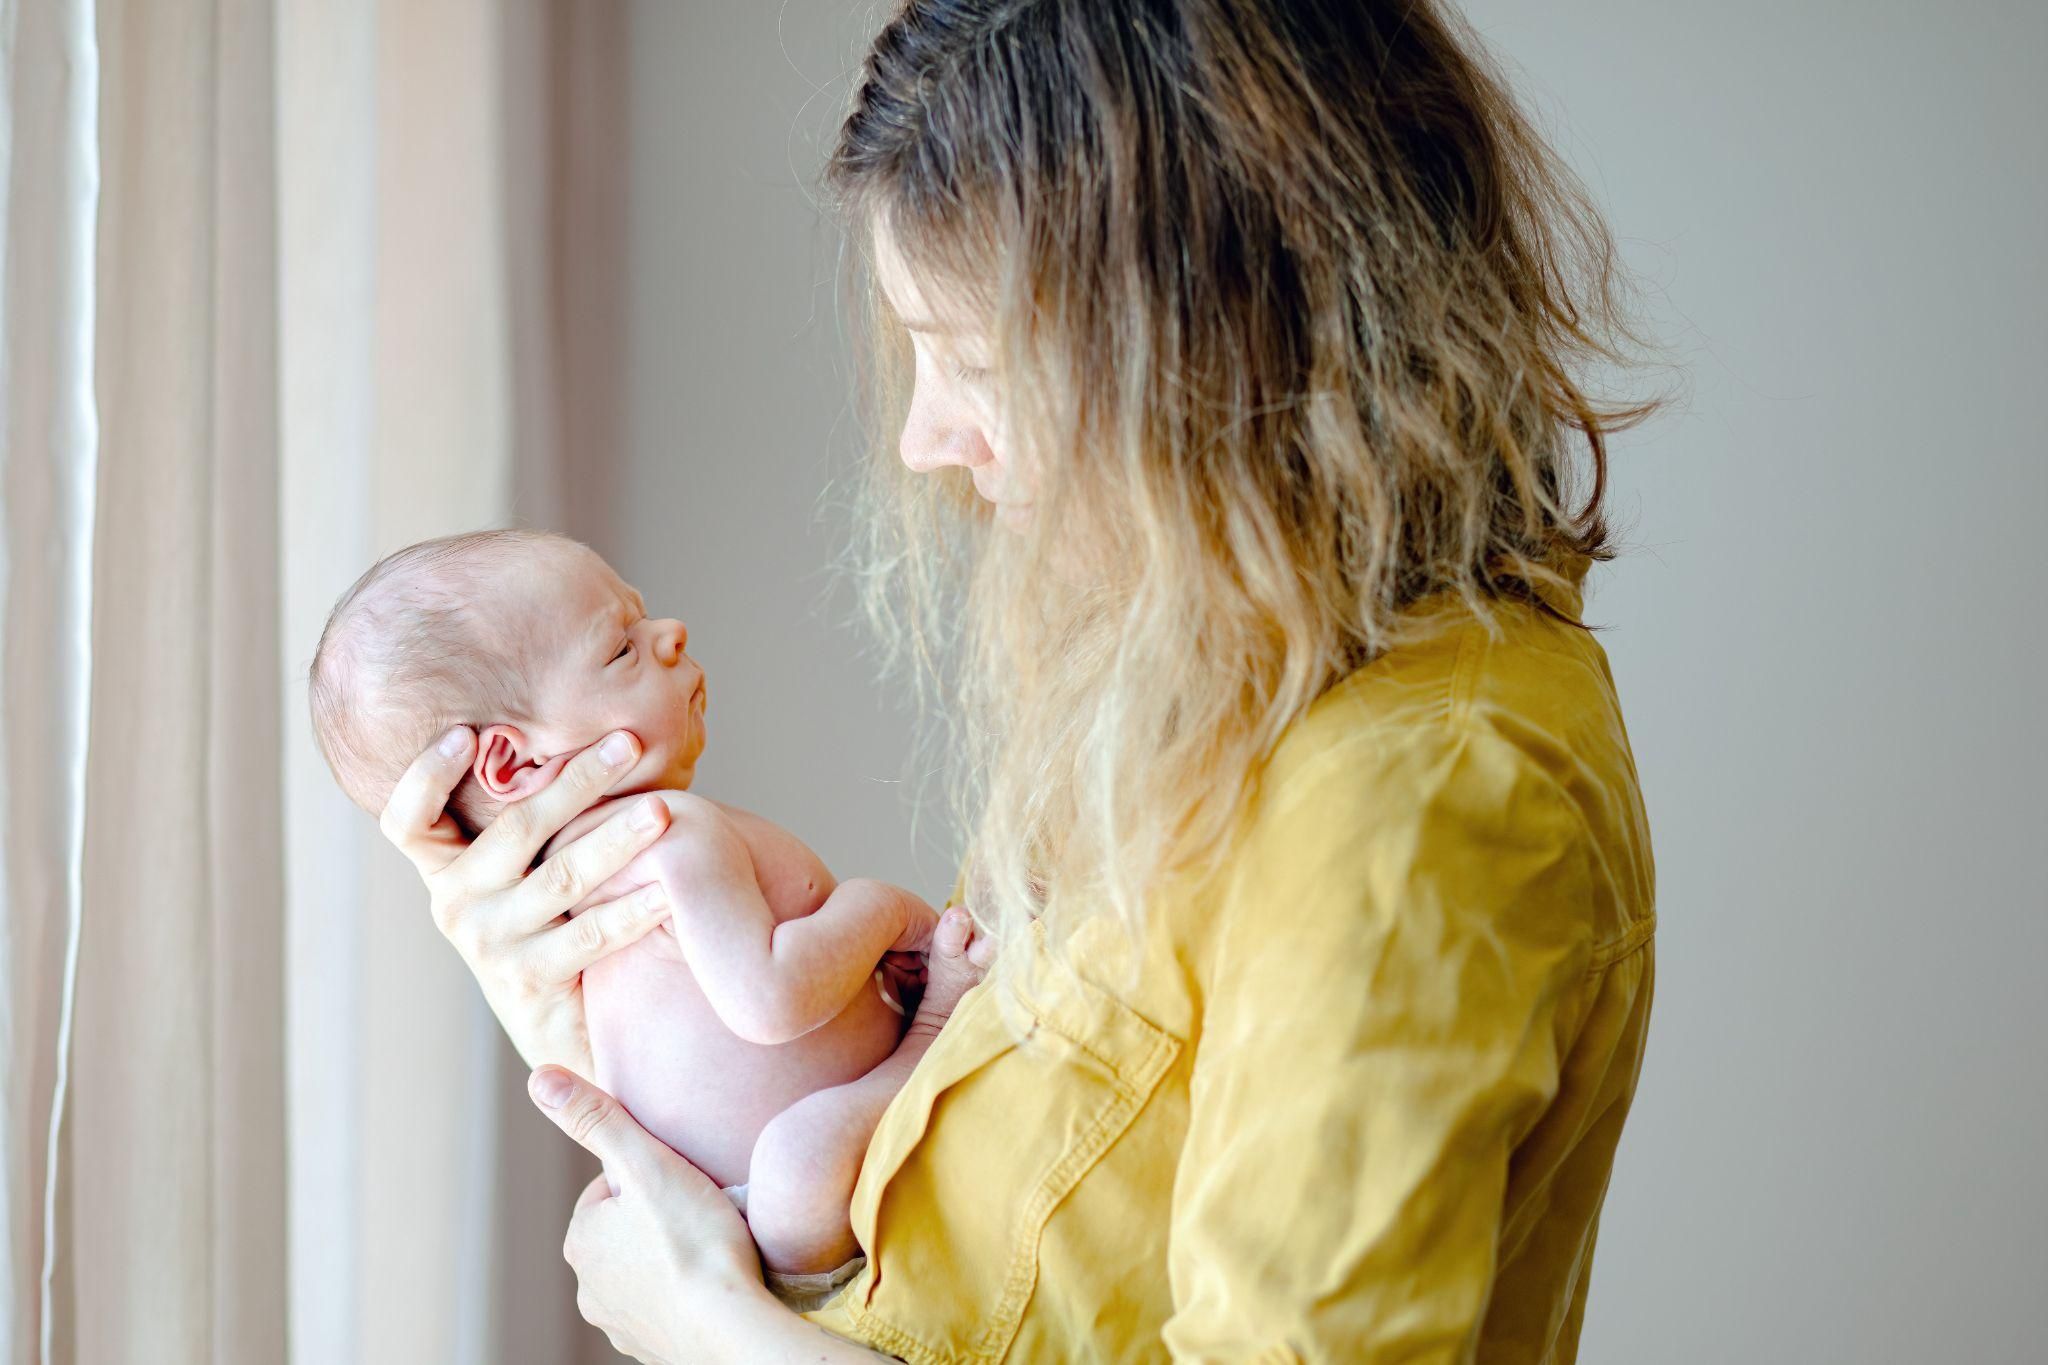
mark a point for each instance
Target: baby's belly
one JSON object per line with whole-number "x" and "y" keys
{"x": 662, "y": 1050}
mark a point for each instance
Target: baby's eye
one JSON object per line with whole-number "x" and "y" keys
{"x": 625, "y": 651}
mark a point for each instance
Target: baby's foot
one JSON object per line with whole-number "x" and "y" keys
{"x": 955, "y": 964}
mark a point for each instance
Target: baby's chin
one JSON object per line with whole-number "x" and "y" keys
{"x": 661, "y": 768}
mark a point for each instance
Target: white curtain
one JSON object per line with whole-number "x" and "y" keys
{"x": 49, "y": 186}
{"x": 288, "y": 283}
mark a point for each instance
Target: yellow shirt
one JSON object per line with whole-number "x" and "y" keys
{"x": 1363, "y": 1102}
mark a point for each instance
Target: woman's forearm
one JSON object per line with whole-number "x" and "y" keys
{"x": 552, "y": 1034}
{"x": 744, "y": 1324}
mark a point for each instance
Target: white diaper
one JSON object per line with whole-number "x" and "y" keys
{"x": 799, "y": 1293}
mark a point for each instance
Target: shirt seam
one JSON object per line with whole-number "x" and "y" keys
{"x": 1631, "y": 940}
{"x": 1464, "y": 680}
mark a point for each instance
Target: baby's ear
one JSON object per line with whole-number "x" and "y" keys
{"x": 508, "y": 767}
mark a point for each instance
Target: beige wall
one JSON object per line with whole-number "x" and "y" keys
{"x": 1829, "y": 644}
{"x": 737, "y": 407}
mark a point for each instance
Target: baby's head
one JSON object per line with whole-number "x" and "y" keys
{"x": 528, "y": 638}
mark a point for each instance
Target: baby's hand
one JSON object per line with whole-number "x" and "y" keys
{"x": 902, "y": 967}
{"x": 959, "y": 958}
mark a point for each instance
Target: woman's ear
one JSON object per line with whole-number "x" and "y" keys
{"x": 508, "y": 767}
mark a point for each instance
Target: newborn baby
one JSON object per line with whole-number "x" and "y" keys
{"x": 753, "y": 1032}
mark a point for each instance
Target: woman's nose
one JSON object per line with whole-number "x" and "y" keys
{"x": 937, "y": 434}
{"x": 669, "y": 638}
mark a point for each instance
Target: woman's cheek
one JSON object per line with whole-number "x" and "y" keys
{"x": 994, "y": 439}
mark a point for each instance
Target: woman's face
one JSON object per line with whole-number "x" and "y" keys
{"x": 955, "y": 416}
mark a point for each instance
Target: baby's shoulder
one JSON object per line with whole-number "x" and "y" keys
{"x": 765, "y": 837}
{"x": 684, "y": 809}
{"x": 793, "y": 878}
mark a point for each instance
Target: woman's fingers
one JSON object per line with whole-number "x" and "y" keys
{"x": 598, "y": 932}
{"x": 416, "y": 817}
{"x": 631, "y": 1155}
{"x": 508, "y": 845}
{"x": 596, "y": 1192}
{"x": 574, "y": 873}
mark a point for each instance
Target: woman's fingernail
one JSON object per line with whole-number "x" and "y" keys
{"x": 647, "y": 814}
{"x": 454, "y": 742}
{"x": 550, "y": 1087}
{"x": 617, "y": 749}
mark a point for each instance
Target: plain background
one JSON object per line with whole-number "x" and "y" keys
{"x": 1829, "y": 636}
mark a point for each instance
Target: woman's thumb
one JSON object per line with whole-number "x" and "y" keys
{"x": 596, "y": 1120}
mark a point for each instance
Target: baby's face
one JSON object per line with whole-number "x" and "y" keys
{"x": 596, "y": 663}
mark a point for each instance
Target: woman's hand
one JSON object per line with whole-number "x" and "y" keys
{"x": 664, "y": 1263}
{"x": 512, "y": 927}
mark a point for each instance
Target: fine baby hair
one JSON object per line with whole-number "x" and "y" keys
{"x": 409, "y": 652}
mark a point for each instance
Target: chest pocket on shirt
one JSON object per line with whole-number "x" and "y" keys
{"x": 975, "y": 1154}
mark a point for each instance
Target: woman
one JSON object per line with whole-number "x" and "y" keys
{"x": 1242, "y": 339}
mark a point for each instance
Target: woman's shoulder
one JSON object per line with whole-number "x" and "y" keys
{"x": 1519, "y": 676}
{"x": 1474, "y": 738}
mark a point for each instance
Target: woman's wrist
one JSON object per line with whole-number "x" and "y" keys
{"x": 544, "y": 1033}
{"x": 724, "y": 1316}
{"x": 734, "y": 1320}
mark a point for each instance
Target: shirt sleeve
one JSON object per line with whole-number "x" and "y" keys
{"x": 1396, "y": 955}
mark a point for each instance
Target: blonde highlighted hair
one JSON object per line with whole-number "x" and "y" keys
{"x": 1291, "y": 311}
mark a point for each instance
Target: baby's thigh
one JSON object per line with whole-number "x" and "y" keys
{"x": 814, "y": 1148}
{"x": 804, "y": 1166}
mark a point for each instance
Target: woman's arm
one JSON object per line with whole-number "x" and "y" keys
{"x": 512, "y": 928}
{"x": 664, "y": 1264}
{"x": 761, "y": 1329}
{"x": 1392, "y": 992}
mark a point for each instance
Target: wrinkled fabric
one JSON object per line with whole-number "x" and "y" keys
{"x": 1361, "y": 1103}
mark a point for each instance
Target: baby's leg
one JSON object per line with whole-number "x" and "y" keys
{"x": 801, "y": 1177}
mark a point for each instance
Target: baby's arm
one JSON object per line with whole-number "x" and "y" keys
{"x": 770, "y": 982}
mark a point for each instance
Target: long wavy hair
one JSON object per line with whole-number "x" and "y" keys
{"x": 1293, "y": 314}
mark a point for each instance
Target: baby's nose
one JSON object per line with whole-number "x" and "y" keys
{"x": 669, "y": 639}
